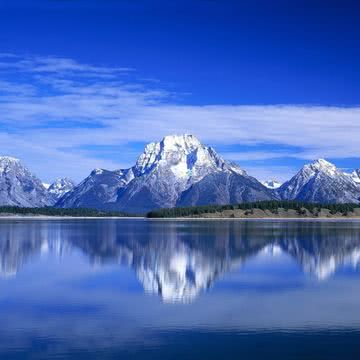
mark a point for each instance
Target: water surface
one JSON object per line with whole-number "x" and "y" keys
{"x": 141, "y": 289}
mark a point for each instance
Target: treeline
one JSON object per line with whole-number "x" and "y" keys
{"x": 51, "y": 211}
{"x": 272, "y": 206}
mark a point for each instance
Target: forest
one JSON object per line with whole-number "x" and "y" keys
{"x": 273, "y": 206}
{"x": 51, "y": 211}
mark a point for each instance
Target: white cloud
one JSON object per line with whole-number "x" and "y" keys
{"x": 43, "y": 118}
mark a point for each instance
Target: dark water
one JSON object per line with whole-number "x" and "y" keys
{"x": 137, "y": 289}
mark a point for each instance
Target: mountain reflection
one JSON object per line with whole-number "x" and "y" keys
{"x": 179, "y": 260}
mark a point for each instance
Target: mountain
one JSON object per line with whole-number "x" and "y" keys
{"x": 99, "y": 190}
{"x": 225, "y": 188}
{"x": 321, "y": 182}
{"x": 164, "y": 171}
{"x": 355, "y": 175}
{"x": 271, "y": 184}
{"x": 19, "y": 187}
{"x": 60, "y": 187}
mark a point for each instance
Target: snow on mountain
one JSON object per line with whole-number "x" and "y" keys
{"x": 168, "y": 168}
{"x": 19, "y": 187}
{"x": 161, "y": 174}
{"x": 98, "y": 190}
{"x": 321, "y": 182}
{"x": 184, "y": 155}
{"x": 271, "y": 184}
{"x": 355, "y": 175}
{"x": 60, "y": 187}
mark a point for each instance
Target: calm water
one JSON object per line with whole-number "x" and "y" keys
{"x": 138, "y": 289}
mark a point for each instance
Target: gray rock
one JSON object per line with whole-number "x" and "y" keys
{"x": 19, "y": 187}
{"x": 225, "y": 188}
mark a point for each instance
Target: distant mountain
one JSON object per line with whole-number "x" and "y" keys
{"x": 320, "y": 182}
{"x": 60, "y": 187}
{"x": 99, "y": 190}
{"x": 19, "y": 187}
{"x": 272, "y": 184}
{"x": 161, "y": 175}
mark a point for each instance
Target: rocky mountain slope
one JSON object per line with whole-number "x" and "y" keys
{"x": 19, "y": 187}
{"x": 60, "y": 187}
{"x": 320, "y": 182}
{"x": 98, "y": 190}
{"x": 225, "y": 188}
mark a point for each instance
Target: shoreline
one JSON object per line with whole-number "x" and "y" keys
{"x": 259, "y": 218}
{"x": 55, "y": 217}
{"x": 41, "y": 217}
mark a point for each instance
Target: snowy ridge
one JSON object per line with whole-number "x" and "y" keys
{"x": 320, "y": 181}
{"x": 271, "y": 184}
{"x": 60, "y": 187}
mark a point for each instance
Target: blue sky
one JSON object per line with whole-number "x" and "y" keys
{"x": 270, "y": 84}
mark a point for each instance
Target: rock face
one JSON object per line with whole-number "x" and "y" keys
{"x": 60, "y": 187}
{"x": 161, "y": 175}
{"x": 19, "y": 187}
{"x": 320, "y": 182}
{"x": 225, "y": 188}
{"x": 98, "y": 190}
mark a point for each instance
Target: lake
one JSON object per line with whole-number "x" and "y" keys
{"x": 142, "y": 289}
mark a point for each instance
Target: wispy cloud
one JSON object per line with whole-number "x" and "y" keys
{"x": 53, "y": 64}
{"x": 50, "y": 107}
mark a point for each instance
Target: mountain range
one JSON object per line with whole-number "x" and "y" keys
{"x": 177, "y": 171}
{"x": 20, "y": 187}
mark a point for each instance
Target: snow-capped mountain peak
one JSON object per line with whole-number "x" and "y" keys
{"x": 322, "y": 165}
{"x": 272, "y": 184}
{"x": 321, "y": 181}
{"x": 172, "y": 150}
{"x": 7, "y": 162}
{"x": 60, "y": 187}
{"x": 184, "y": 154}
